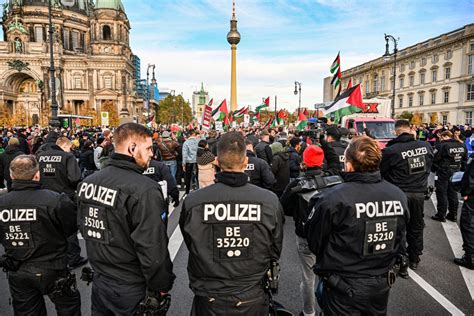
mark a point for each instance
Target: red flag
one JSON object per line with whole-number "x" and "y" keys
{"x": 305, "y": 112}
{"x": 258, "y": 116}
{"x": 267, "y": 101}
{"x": 355, "y": 98}
{"x": 349, "y": 85}
{"x": 282, "y": 114}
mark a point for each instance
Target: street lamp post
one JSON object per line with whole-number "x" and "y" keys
{"x": 387, "y": 57}
{"x": 298, "y": 91}
{"x": 54, "y": 122}
{"x": 153, "y": 82}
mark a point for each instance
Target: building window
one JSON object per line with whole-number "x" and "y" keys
{"x": 367, "y": 87}
{"x": 108, "y": 82}
{"x": 435, "y": 59}
{"x": 434, "y": 75}
{"x": 449, "y": 54}
{"x": 402, "y": 67}
{"x": 75, "y": 39}
{"x": 433, "y": 97}
{"x": 106, "y": 33}
{"x": 469, "y": 118}
{"x": 445, "y": 119}
{"x": 77, "y": 83}
{"x": 421, "y": 99}
{"x": 66, "y": 39}
{"x": 39, "y": 36}
{"x": 423, "y": 61}
{"x": 412, "y": 81}
{"x": 422, "y": 78}
{"x": 447, "y": 73}
{"x": 470, "y": 92}
{"x": 472, "y": 47}
{"x": 400, "y": 102}
{"x": 410, "y": 100}
{"x": 470, "y": 64}
{"x": 382, "y": 84}
{"x": 376, "y": 82}
{"x": 402, "y": 81}
{"x": 412, "y": 65}
{"x": 446, "y": 96}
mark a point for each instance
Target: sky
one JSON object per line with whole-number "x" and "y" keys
{"x": 282, "y": 41}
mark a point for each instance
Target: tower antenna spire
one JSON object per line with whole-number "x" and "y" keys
{"x": 233, "y": 9}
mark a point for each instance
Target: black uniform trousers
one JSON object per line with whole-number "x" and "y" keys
{"x": 113, "y": 298}
{"x": 29, "y": 284}
{"x": 367, "y": 296}
{"x": 446, "y": 195}
{"x": 191, "y": 171}
{"x": 467, "y": 226}
{"x": 416, "y": 202}
{"x": 254, "y": 302}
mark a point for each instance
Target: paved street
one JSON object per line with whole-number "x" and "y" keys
{"x": 437, "y": 288}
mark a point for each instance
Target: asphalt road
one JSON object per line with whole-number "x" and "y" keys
{"x": 443, "y": 289}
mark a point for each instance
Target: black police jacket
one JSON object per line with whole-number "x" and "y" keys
{"x": 294, "y": 204}
{"x": 406, "y": 162}
{"x": 357, "y": 228}
{"x": 59, "y": 170}
{"x": 340, "y": 149}
{"x": 158, "y": 171}
{"x": 259, "y": 172}
{"x": 264, "y": 151}
{"x": 35, "y": 223}
{"x": 119, "y": 215}
{"x": 467, "y": 182}
{"x": 332, "y": 165}
{"x": 449, "y": 156}
{"x": 11, "y": 152}
{"x": 233, "y": 230}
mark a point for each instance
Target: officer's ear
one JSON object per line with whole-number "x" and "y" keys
{"x": 348, "y": 166}
{"x": 37, "y": 176}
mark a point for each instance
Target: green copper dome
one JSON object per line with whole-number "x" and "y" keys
{"x": 110, "y": 4}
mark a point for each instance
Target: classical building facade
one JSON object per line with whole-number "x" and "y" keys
{"x": 434, "y": 79}
{"x": 200, "y": 98}
{"x": 93, "y": 60}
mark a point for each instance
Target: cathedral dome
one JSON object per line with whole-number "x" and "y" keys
{"x": 82, "y": 6}
{"x": 110, "y": 4}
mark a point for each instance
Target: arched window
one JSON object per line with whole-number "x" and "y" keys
{"x": 106, "y": 33}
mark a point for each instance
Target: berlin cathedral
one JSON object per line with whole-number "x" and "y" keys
{"x": 92, "y": 56}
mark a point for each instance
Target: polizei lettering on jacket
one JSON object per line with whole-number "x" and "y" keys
{"x": 459, "y": 150}
{"x": 50, "y": 159}
{"x": 379, "y": 209}
{"x": 97, "y": 193}
{"x": 414, "y": 152}
{"x": 232, "y": 212}
{"x": 150, "y": 170}
{"x": 18, "y": 215}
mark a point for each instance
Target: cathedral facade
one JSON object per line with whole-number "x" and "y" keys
{"x": 92, "y": 57}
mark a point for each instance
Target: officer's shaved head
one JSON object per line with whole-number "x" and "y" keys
{"x": 364, "y": 154}
{"x": 231, "y": 151}
{"x": 129, "y": 131}
{"x": 402, "y": 126}
{"x": 24, "y": 167}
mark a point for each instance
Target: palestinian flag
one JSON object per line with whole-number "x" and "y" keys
{"x": 349, "y": 84}
{"x": 306, "y": 112}
{"x": 302, "y": 121}
{"x": 210, "y": 102}
{"x": 267, "y": 123}
{"x": 220, "y": 113}
{"x": 336, "y": 71}
{"x": 349, "y": 102}
{"x": 256, "y": 117}
{"x": 240, "y": 113}
{"x": 264, "y": 105}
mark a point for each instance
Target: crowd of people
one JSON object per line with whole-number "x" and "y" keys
{"x": 358, "y": 212}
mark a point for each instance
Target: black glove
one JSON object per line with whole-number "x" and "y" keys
{"x": 154, "y": 304}
{"x": 175, "y": 202}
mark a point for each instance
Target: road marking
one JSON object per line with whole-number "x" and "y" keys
{"x": 435, "y": 294}
{"x": 453, "y": 233}
{"x": 175, "y": 242}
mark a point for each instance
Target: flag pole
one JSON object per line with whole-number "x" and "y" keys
{"x": 275, "y": 107}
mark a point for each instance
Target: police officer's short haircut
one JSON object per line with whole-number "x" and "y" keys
{"x": 402, "y": 124}
{"x": 63, "y": 141}
{"x": 24, "y": 167}
{"x": 231, "y": 150}
{"x": 130, "y": 130}
{"x": 364, "y": 154}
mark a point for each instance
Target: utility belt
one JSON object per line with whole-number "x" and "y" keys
{"x": 64, "y": 286}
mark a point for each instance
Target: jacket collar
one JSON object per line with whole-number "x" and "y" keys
{"x": 19, "y": 185}
{"x": 233, "y": 179}
{"x": 313, "y": 171}
{"x": 402, "y": 138}
{"x": 124, "y": 162}
{"x": 364, "y": 177}
{"x": 251, "y": 154}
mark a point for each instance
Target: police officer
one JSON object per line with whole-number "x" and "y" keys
{"x": 120, "y": 219}
{"x": 406, "y": 163}
{"x": 262, "y": 149}
{"x": 257, "y": 169}
{"x": 233, "y": 231}
{"x": 466, "y": 222}
{"x": 159, "y": 171}
{"x": 60, "y": 172}
{"x": 295, "y": 200}
{"x": 34, "y": 225}
{"x": 449, "y": 155}
{"x": 333, "y": 137}
{"x": 357, "y": 229}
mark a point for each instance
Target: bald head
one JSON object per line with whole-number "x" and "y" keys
{"x": 24, "y": 167}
